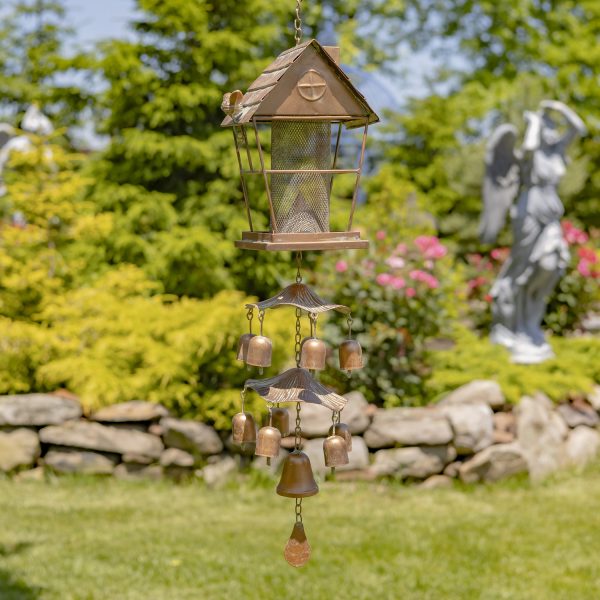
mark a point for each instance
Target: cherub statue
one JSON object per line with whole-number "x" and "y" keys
{"x": 539, "y": 254}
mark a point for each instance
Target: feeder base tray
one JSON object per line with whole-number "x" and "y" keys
{"x": 330, "y": 240}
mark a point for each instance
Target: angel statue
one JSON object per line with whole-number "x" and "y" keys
{"x": 539, "y": 254}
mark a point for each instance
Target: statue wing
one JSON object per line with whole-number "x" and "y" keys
{"x": 501, "y": 181}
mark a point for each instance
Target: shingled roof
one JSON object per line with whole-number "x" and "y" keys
{"x": 340, "y": 100}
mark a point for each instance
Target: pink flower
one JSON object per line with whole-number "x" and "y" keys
{"x": 411, "y": 292}
{"x": 584, "y": 268}
{"x": 430, "y": 246}
{"x": 429, "y": 264}
{"x": 401, "y": 249}
{"x": 572, "y": 234}
{"x": 395, "y": 262}
{"x": 383, "y": 279}
{"x": 380, "y": 235}
{"x": 398, "y": 283}
{"x": 588, "y": 254}
{"x": 427, "y": 278}
{"x": 341, "y": 266}
{"x": 499, "y": 254}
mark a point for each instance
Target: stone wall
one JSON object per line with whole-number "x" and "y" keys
{"x": 471, "y": 435}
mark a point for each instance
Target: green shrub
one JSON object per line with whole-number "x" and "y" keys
{"x": 573, "y": 371}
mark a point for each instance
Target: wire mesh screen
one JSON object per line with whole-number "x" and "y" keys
{"x": 301, "y": 200}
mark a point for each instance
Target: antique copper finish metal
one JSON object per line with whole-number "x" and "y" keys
{"x": 269, "y": 442}
{"x": 335, "y": 451}
{"x": 343, "y": 431}
{"x": 244, "y": 428}
{"x": 280, "y": 419}
{"x": 299, "y": 97}
{"x": 260, "y": 350}
{"x": 350, "y": 355}
{"x": 244, "y": 342}
{"x": 296, "y": 385}
{"x": 297, "y": 480}
{"x": 297, "y": 550}
{"x": 300, "y": 296}
{"x": 313, "y": 354}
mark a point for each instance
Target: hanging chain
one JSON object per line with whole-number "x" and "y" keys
{"x": 243, "y": 396}
{"x": 298, "y": 22}
{"x": 335, "y": 420}
{"x": 298, "y": 430}
{"x": 261, "y": 318}
{"x": 298, "y": 338}
{"x": 298, "y": 510}
{"x": 298, "y": 265}
{"x": 349, "y": 321}
{"x": 250, "y": 316}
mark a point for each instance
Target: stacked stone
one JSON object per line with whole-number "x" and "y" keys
{"x": 471, "y": 435}
{"x": 132, "y": 440}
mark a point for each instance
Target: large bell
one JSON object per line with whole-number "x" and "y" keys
{"x": 313, "y": 354}
{"x": 244, "y": 428}
{"x": 269, "y": 441}
{"x": 350, "y": 355}
{"x": 259, "y": 351}
{"x": 336, "y": 451}
{"x": 244, "y": 342}
{"x": 297, "y": 480}
{"x": 342, "y": 430}
{"x": 280, "y": 419}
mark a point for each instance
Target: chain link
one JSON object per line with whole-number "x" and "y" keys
{"x": 298, "y": 429}
{"x": 261, "y": 318}
{"x": 349, "y": 321}
{"x": 298, "y": 265}
{"x": 250, "y": 317}
{"x": 298, "y": 510}
{"x": 298, "y": 23}
{"x": 298, "y": 337}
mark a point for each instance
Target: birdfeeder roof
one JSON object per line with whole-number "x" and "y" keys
{"x": 303, "y": 82}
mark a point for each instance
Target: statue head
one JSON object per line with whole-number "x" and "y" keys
{"x": 549, "y": 133}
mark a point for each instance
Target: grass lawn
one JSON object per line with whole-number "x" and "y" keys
{"x": 105, "y": 539}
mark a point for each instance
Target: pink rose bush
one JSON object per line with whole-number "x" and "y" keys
{"x": 398, "y": 296}
{"x": 574, "y": 296}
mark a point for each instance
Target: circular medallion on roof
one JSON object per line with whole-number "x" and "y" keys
{"x": 312, "y": 86}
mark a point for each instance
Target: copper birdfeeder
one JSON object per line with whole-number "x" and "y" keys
{"x": 299, "y": 107}
{"x": 288, "y": 130}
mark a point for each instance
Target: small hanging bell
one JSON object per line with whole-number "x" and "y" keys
{"x": 350, "y": 355}
{"x": 313, "y": 354}
{"x": 244, "y": 429}
{"x": 269, "y": 441}
{"x": 297, "y": 479}
{"x": 336, "y": 451}
{"x": 281, "y": 420}
{"x": 342, "y": 430}
{"x": 244, "y": 342}
{"x": 259, "y": 351}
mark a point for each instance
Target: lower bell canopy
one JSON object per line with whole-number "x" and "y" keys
{"x": 297, "y": 479}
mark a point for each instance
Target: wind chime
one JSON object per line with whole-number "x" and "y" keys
{"x": 298, "y": 100}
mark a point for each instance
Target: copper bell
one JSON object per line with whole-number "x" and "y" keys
{"x": 336, "y": 451}
{"x": 297, "y": 480}
{"x": 313, "y": 354}
{"x": 242, "y": 353}
{"x": 244, "y": 429}
{"x": 343, "y": 431}
{"x": 269, "y": 440}
{"x": 259, "y": 351}
{"x": 281, "y": 420}
{"x": 350, "y": 355}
